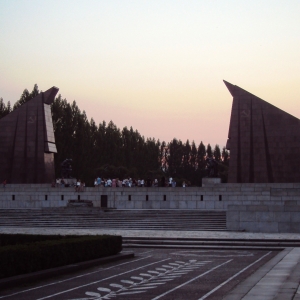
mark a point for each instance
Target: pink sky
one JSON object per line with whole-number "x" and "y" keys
{"x": 156, "y": 66}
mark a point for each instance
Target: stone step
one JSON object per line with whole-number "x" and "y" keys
{"x": 115, "y": 219}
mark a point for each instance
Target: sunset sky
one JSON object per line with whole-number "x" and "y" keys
{"x": 154, "y": 65}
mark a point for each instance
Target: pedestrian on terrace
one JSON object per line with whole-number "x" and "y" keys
{"x": 4, "y": 183}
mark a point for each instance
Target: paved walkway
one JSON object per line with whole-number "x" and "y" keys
{"x": 278, "y": 279}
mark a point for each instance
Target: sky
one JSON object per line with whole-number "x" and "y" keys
{"x": 157, "y": 66}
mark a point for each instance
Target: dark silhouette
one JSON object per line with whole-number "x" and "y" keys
{"x": 66, "y": 168}
{"x": 211, "y": 167}
{"x": 263, "y": 140}
{"x": 27, "y": 141}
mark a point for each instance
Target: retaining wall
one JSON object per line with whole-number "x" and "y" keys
{"x": 250, "y": 207}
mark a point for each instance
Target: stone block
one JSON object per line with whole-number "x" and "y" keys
{"x": 247, "y": 202}
{"x": 209, "y": 204}
{"x": 282, "y": 217}
{"x": 233, "y": 189}
{"x": 264, "y": 216}
{"x": 138, "y": 204}
{"x": 155, "y": 204}
{"x": 284, "y": 227}
{"x": 210, "y": 181}
{"x": 247, "y": 189}
{"x": 268, "y": 227}
{"x": 174, "y": 204}
{"x": 249, "y": 226}
{"x": 234, "y": 226}
{"x": 232, "y": 198}
{"x": 219, "y": 205}
{"x": 248, "y": 216}
{"x": 182, "y": 204}
{"x": 232, "y": 216}
{"x": 200, "y": 204}
{"x": 266, "y": 193}
{"x": 236, "y": 207}
{"x": 295, "y": 227}
{"x": 278, "y": 192}
{"x": 146, "y": 205}
{"x": 276, "y": 198}
{"x": 262, "y": 197}
{"x": 295, "y": 217}
{"x": 293, "y": 192}
{"x": 165, "y": 204}
{"x": 120, "y": 204}
{"x": 260, "y": 208}
{"x": 192, "y": 204}
{"x": 210, "y": 198}
{"x": 277, "y": 208}
{"x": 291, "y": 208}
{"x": 290, "y": 202}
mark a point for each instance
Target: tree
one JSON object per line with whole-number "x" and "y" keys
{"x": 4, "y": 110}
{"x": 26, "y": 96}
{"x": 225, "y": 156}
{"x": 217, "y": 153}
{"x": 209, "y": 152}
{"x": 201, "y": 156}
{"x": 105, "y": 150}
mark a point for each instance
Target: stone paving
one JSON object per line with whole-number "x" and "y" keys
{"x": 152, "y": 274}
{"x": 154, "y": 233}
{"x": 279, "y": 279}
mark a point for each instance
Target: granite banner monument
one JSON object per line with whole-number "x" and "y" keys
{"x": 27, "y": 142}
{"x": 263, "y": 140}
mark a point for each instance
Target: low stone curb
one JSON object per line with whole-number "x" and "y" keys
{"x": 31, "y": 277}
{"x": 209, "y": 247}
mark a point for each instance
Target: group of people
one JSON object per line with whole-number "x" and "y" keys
{"x": 131, "y": 182}
{"x": 116, "y": 182}
{"x": 127, "y": 182}
{"x": 77, "y": 183}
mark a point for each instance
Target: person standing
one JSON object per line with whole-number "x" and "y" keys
{"x": 98, "y": 181}
{"x": 78, "y": 185}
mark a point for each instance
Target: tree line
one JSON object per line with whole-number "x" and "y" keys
{"x": 107, "y": 151}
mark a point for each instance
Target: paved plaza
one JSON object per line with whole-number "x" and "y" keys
{"x": 153, "y": 274}
{"x": 177, "y": 273}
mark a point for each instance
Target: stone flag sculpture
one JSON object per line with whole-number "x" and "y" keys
{"x": 27, "y": 143}
{"x": 263, "y": 140}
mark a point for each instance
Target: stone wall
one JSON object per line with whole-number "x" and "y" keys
{"x": 264, "y": 218}
{"x": 250, "y": 207}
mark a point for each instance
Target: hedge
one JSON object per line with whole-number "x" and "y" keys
{"x": 36, "y": 256}
{"x": 13, "y": 239}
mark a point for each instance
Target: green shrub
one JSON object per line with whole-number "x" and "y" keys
{"x": 13, "y": 239}
{"x": 39, "y": 255}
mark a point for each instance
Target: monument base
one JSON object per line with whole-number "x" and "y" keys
{"x": 210, "y": 181}
{"x": 80, "y": 203}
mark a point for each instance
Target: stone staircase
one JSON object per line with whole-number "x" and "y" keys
{"x": 183, "y": 220}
